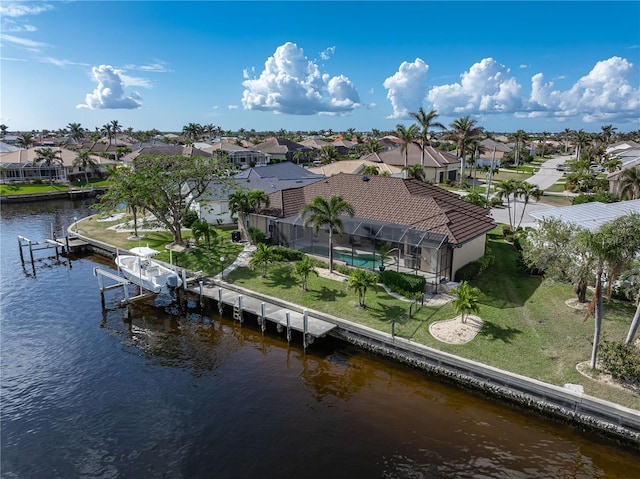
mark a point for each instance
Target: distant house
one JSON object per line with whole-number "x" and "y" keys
{"x": 356, "y": 167}
{"x": 438, "y": 165}
{"x": 430, "y": 231}
{"x": 22, "y": 165}
{"x": 344, "y": 147}
{"x": 213, "y": 206}
{"x": 165, "y": 149}
{"x": 492, "y": 152}
{"x": 239, "y": 156}
{"x": 281, "y": 149}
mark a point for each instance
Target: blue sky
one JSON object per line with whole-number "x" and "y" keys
{"x": 536, "y": 66}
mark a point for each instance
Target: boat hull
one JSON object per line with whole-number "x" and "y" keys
{"x": 147, "y": 273}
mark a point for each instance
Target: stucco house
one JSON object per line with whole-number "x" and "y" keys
{"x": 430, "y": 231}
{"x": 438, "y": 165}
{"x": 238, "y": 155}
{"x": 23, "y": 165}
{"x": 213, "y": 206}
{"x": 281, "y": 148}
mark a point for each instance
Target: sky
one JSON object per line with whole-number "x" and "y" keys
{"x": 311, "y": 66}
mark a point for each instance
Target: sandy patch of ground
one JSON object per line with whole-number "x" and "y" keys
{"x": 454, "y": 331}
{"x": 113, "y": 217}
{"x": 575, "y": 304}
{"x": 584, "y": 368}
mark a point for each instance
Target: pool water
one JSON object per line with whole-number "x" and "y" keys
{"x": 366, "y": 260}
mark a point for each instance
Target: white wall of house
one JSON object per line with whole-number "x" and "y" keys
{"x": 214, "y": 211}
{"x": 467, "y": 253}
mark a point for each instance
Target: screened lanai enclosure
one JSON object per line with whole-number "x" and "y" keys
{"x": 411, "y": 250}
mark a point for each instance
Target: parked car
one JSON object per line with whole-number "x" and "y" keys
{"x": 596, "y": 168}
{"x": 561, "y": 167}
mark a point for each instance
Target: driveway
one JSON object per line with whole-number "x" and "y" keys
{"x": 548, "y": 175}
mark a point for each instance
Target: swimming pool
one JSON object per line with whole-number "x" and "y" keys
{"x": 361, "y": 260}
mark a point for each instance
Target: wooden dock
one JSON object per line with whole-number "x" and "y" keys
{"x": 285, "y": 318}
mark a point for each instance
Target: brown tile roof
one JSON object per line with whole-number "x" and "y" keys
{"x": 433, "y": 157}
{"x": 407, "y": 202}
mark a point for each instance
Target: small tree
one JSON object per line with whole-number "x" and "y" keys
{"x": 304, "y": 268}
{"x": 360, "y": 281}
{"x": 261, "y": 258}
{"x": 466, "y": 300}
{"x": 203, "y": 230}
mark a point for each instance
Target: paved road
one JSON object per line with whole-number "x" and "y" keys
{"x": 548, "y": 174}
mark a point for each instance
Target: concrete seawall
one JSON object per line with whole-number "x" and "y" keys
{"x": 574, "y": 408}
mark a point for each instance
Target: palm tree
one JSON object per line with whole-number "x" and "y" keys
{"x": 505, "y": 189}
{"x": 371, "y": 170}
{"x": 581, "y": 138}
{"x": 526, "y": 191}
{"x": 608, "y": 131}
{"x": 107, "y": 129}
{"x": 85, "y": 161}
{"x": 630, "y": 183}
{"x": 407, "y": 135}
{"x": 115, "y": 129}
{"x": 192, "y": 131}
{"x": 414, "y": 171}
{"x": 3, "y": 130}
{"x": 48, "y": 156}
{"x": 258, "y": 198}
{"x": 545, "y": 136}
{"x": 426, "y": 121}
{"x": 464, "y": 130}
{"x": 520, "y": 138}
{"x": 372, "y": 146}
{"x": 466, "y": 300}
{"x": 204, "y": 230}
{"x": 567, "y": 135}
{"x": 261, "y": 258}
{"x": 240, "y": 205}
{"x": 326, "y": 213}
{"x": 25, "y": 140}
{"x": 76, "y": 132}
{"x": 360, "y": 280}
{"x": 328, "y": 154}
{"x": 304, "y": 268}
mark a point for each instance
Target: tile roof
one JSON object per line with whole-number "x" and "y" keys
{"x": 433, "y": 157}
{"x": 407, "y": 202}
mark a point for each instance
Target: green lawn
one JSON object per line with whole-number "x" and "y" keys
{"x": 528, "y": 327}
{"x": 25, "y": 189}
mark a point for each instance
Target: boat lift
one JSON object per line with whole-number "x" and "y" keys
{"x": 119, "y": 282}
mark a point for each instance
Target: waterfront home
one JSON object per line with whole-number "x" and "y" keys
{"x": 213, "y": 206}
{"x": 281, "y": 149}
{"x": 428, "y": 230}
{"x": 165, "y": 149}
{"x": 438, "y": 165}
{"x": 356, "y": 167}
{"x": 238, "y": 155}
{"x": 23, "y": 165}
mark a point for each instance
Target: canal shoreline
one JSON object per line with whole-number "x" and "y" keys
{"x": 565, "y": 404}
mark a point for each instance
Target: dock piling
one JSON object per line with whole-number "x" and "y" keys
{"x": 305, "y": 327}
{"x": 263, "y": 318}
{"x": 288, "y": 316}
{"x": 220, "y": 304}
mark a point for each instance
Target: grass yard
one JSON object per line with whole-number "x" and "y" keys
{"x": 25, "y": 189}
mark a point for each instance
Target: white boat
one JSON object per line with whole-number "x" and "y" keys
{"x": 147, "y": 273}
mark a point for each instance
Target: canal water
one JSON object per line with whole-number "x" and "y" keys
{"x": 87, "y": 393}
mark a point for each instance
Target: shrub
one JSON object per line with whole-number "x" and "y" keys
{"x": 473, "y": 269}
{"x": 403, "y": 283}
{"x": 621, "y": 360}
{"x": 282, "y": 253}
{"x": 256, "y": 236}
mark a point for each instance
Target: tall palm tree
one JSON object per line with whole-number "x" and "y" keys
{"x": 107, "y": 130}
{"x": 192, "y": 131}
{"x": 85, "y": 161}
{"x": 326, "y": 213}
{"x": 47, "y": 157}
{"x": 505, "y": 189}
{"x": 26, "y": 139}
{"x": 240, "y": 206}
{"x": 545, "y": 136}
{"x": 526, "y": 191}
{"x": 257, "y": 199}
{"x": 372, "y": 146}
{"x": 630, "y": 183}
{"x": 466, "y": 300}
{"x": 581, "y": 139}
{"x": 115, "y": 129}
{"x": 464, "y": 130}
{"x": 520, "y": 138}
{"x": 407, "y": 135}
{"x": 371, "y": 170}
{"x": 567, "y": 135}
{"x": 426, "y": 121}
{"x": 608, "y": 131}
{"x": 328, "y": 154}
{"x": 360, "y": 280}
{"x": 76, "y": 132}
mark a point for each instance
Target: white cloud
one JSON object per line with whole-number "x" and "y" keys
{"x": 109, "y": 94}
{"x": 292, "y": 84}
{"x": 16, "y": 9}
{"x": 407, "y": 88}
{"x": 606, "y": 93}
{"x": 22, "y": 42}
{"x": 233, "y": 107}
{"x": 327, "y": 53}
{"x": 486, "y": 88}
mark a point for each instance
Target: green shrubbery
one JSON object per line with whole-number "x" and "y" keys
{"x": 256, "y": 236}
{"x": 473, "y": 269}
{"x": 621, "y": 360}
{"x": 403, "y": 283}
{"x": 282, "y": 253}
